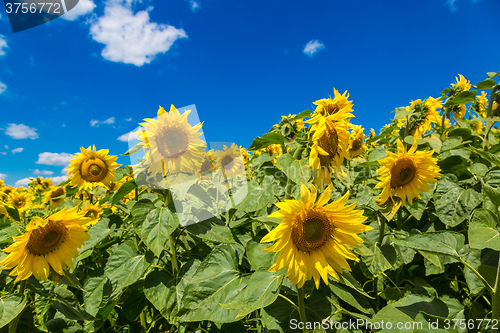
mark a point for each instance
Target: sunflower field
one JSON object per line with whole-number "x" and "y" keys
{"x": 313, "y": 228}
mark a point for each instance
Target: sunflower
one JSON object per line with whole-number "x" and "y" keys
{"x": 230, "y": 162}
{"x": 3, "y": 213}
{"x": 314, "y": 238}
{"x": 43, "y": 184}
{"x": 91, "y": 168}
{"x": 246, "y": 155}
{"x": 207, "y": 166}
{"x": 424, "y": 115}
{"x": 459, "y": 111}
{"x": 52, "y": 197}
{"x": 462, "y": 84}
{"x": 21, "y": 200}
{"x": 406, "y": 173}
{"x": 173, "y": 144}
{"x": 93, "y": 212}
{"x": 48, "y": 243}
{"x": 7, "y": 191}
{"x": 2, "y": 184}
{"x": 357, "y": 141}
{"x": 329, "y": 144}
{"x": 330, "y": 106}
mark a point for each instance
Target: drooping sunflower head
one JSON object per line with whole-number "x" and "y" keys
{"x": 338, "y": 105}
{"x": 49, "y": 243}
{"x": 407, "y": 173}
{"x": 43, "y": 184}
{"x": 357, "y": 141}
{"x": 21, "y": 200}
{"x": 459, "y": 111}
{"x": 55, "y": 196}
{"x": 93, "y": 212}
{"x": 208, "y": 164}
{"x": 461, "y": 83}
{"x": 229, "y": 162}
{"x": 424, "y": 114}
{"x": 329, "y": 146}
{"x": 314, "y": 238}
{"x": 91, "y": 168}
{"x": 173, "y": 144}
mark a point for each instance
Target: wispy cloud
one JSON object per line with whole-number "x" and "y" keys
{"x": 3, "y": 87}
{"x": 58, "y": 179}
{"x": 23, "y": 182}
{"x": 97, "y": 123}
{"x": 3, "y": 45}
{"x": 83, "y": 7}
{"x": 43, "y": 172}
{"x": 131, "y": 37}
{"x": 452, "y": 4}
{"x": 21, "y": 131}
{"x": 17, "y": 150}
{"x": 195, "y": 5}
{"x": 54, "y": 158}
{"x": 128, "y": 136}
{"x": 312, "y": 47}
{"x": 3, "y": 176}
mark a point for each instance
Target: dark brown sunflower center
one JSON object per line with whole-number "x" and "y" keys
{"x": 93, "y": 169}
{"x": 312, "y": 231}
{"x": 57, "y": 193}
{"x": 20, "y": 202}
{"x": 92, "y": 214}
{"x": 330, "y": 108}
{"x": 206, "y": 166}
{"x": 46, "y": 239}
{"x": 402, "y": 173}
{"x": 329, "y": 142}
{"x": 227, "y": 160}
{"x": 172, "y": 143}
{"x": 356, "y": 145}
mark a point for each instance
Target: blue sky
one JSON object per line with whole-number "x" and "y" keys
{"x": 91, "y": 76}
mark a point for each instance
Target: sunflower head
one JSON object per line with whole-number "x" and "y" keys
{"x": 172, "y": 144}
{"x": 55, "y": 196}
{"x": 91, "y": 168}
{"x": 314, "y": 238}
{"x": 407, "y": 173}
{"x": 93, "y": 212}
{"x": 329, "y": 146}
{"x": 357, "y": 141}
{"x": 461, "y": 84}
{"x": 23, "y": 201}
{"x": 230, "y": 162}
{"x": 49, "y": 243}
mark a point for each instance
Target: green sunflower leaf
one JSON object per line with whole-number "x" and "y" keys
{"x": 266, "y": 140}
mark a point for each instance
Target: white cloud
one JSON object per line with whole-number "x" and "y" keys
{"x": 96, "y": 123}
{"x": 128, "y": 119}
{"x": 312, "y": 47}
{"x": 3, "y": 45}
{"x": 194, "y": 5}
{"x": 17, "y": 150}
{"x": 3, "y": 153}
{"x": 131, "y": 37}
{"x": 83, "y": 7}
{"x": 6, "y": 147}
{"x": 3, "y": 176}
{"x": 21, "y": 131}
{"x": 54, "y": 158}
{"x": 42, "y": 172}
{"x": 128, "y": 136}
{"x": 23, "y": 182}
{"x": 3, "y": 87}
{"x": 58, "y": 179}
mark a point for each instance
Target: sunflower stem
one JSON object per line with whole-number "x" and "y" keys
{"x": 15, "y": 321}
{"x": 495, "y": 299}
{"x": 173, "y": 250}
{"x": 443, "y": 118}
{"x": 302, "y": 308}
{"x": 288, "y": 192}
{"x": 381, "y": 231}
{"x": 488, "y": 115}
{"x": 400, "y": 218}
{"x": 144, "y": 324}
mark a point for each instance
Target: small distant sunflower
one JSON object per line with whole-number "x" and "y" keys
{"x": 478, "y": 124}
{"x": 424, "y": 115}
{"x": 93, "y": 212}
{"x": 207, "y": 165}
{"x": 314, "y": 238}
{"x": 230, "y": 162}
{"x": 357, "y": 141}
{"x": 329, "y": 145}
{"x": 43, "y": 184}
{"x": 462, "y": 84}
{"x": 173, "y": 144}
{"x": 47, "y": 243}
{"x": 246, "y": 155}
{"x": 52, "y": 194}
{"x": 7, "y": 191}
{"x": 406, "y": 174}
{"x": 482, "y": 104}
{"x": 21, "y": 200}
{"x": 2, "y": 184}
{"x": 91, "y": 168}
{"x": 271, "y": 150}
{"x": 459, "y": 111}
